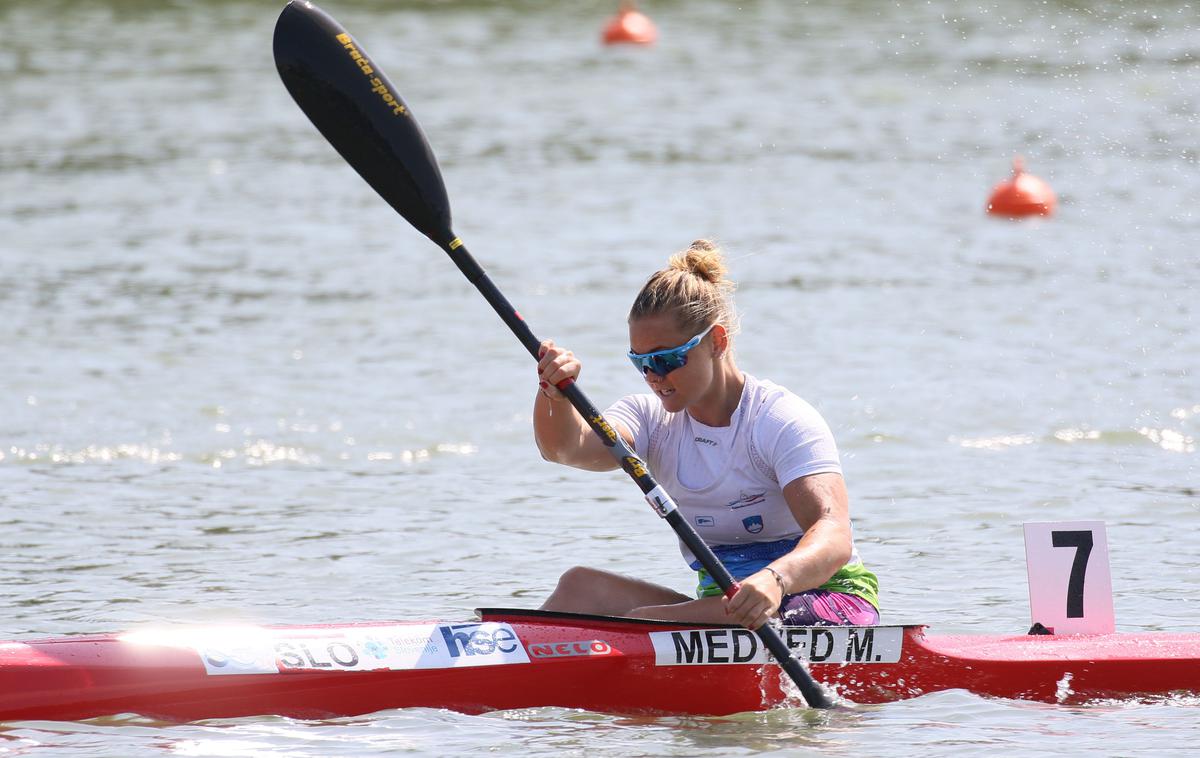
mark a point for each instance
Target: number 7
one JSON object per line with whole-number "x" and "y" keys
{"x": 1082, "y": 542}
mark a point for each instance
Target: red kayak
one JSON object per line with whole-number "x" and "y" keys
{"x": 524, "y": 659}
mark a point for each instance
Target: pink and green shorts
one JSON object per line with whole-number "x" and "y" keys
{"x": 825, "y": 608}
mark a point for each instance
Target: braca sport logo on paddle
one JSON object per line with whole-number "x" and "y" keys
{"x": 815, "y": 644}
{"x": 378, "y": 85}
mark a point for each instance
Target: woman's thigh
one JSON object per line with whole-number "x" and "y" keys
{"x": 706, "y": 610}
{"x": 590, "y": 590}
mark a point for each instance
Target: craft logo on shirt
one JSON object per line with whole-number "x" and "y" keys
{"x": 706, "y": 441}
{"x": 753, "y": 524}
{"x": 747, "y": 499}
{"x": 705, "y": 521}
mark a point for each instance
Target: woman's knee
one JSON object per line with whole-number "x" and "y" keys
{"x": 582, "y": 589}
{"x": 582, "y": 578}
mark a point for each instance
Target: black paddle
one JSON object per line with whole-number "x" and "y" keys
{"x": 358, "y": 110}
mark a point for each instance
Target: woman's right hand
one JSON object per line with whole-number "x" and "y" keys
{"x": 556, "y": 365}
{"x": 562, "y": 435}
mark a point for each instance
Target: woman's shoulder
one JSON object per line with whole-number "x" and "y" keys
{"x": 774, "y": 405}
{"x": 643, "y": 406}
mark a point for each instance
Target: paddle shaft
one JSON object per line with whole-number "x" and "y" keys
{"x": 360, "y": 112}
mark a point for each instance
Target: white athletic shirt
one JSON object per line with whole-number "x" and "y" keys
{"x": 728, "y": 481}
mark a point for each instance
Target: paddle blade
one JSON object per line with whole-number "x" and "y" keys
{"x": 350, "y": 101}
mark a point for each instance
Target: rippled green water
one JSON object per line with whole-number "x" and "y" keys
{"x": 237, "y": 386}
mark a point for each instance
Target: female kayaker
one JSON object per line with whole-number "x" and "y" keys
{"x": 751, "y": 466}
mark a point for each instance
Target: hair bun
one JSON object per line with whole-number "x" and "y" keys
{"x": 703, "y": 259}
{"x": 693, "y": 290}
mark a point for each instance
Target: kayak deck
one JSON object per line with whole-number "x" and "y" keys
{"x": 1066, "y": 668}
{"x": 524, "y": 659}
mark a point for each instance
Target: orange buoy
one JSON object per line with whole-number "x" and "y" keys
{"x": 629, "y": 26}
{"x": 1022, "y": 195}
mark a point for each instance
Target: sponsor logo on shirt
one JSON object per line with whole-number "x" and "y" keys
{"x": 706, "y": 441}
{"x": 705, "y": 521}
{"x": 747, "y": 499}
{"x": 753, "y": 524}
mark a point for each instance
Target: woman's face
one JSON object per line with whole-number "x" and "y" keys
{"x": 685, "y": 385}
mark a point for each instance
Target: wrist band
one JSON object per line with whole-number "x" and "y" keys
{"x": 778, "y": 580}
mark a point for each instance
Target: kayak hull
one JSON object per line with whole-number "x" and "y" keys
{"x": 523, "y": 659}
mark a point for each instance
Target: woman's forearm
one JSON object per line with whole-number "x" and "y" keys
{"x": 815, "y": 559}
{"x": 563, "y": 436}
{"x": 821, "y": 507}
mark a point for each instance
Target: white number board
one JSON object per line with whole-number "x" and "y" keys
{"x": 1070, "y": 586}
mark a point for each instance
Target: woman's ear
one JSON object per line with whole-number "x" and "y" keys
{"x": 720, "y": 341}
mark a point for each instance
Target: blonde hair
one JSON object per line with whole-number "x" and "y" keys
{"x": 692, "y": 288}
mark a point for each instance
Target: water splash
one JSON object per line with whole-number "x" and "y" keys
{"x": 1062, "y": 689}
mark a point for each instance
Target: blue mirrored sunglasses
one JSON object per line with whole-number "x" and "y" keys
{"x": 663, "y": 362}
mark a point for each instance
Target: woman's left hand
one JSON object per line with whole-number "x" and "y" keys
{"x": 756, "y": 602}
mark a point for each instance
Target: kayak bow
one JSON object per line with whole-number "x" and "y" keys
{"x": 523, "y": 659}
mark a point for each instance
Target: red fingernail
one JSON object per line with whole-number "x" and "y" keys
{"x": 544, "y": 385}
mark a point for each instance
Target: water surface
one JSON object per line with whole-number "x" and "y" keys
{"x": 238, "y": 387}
